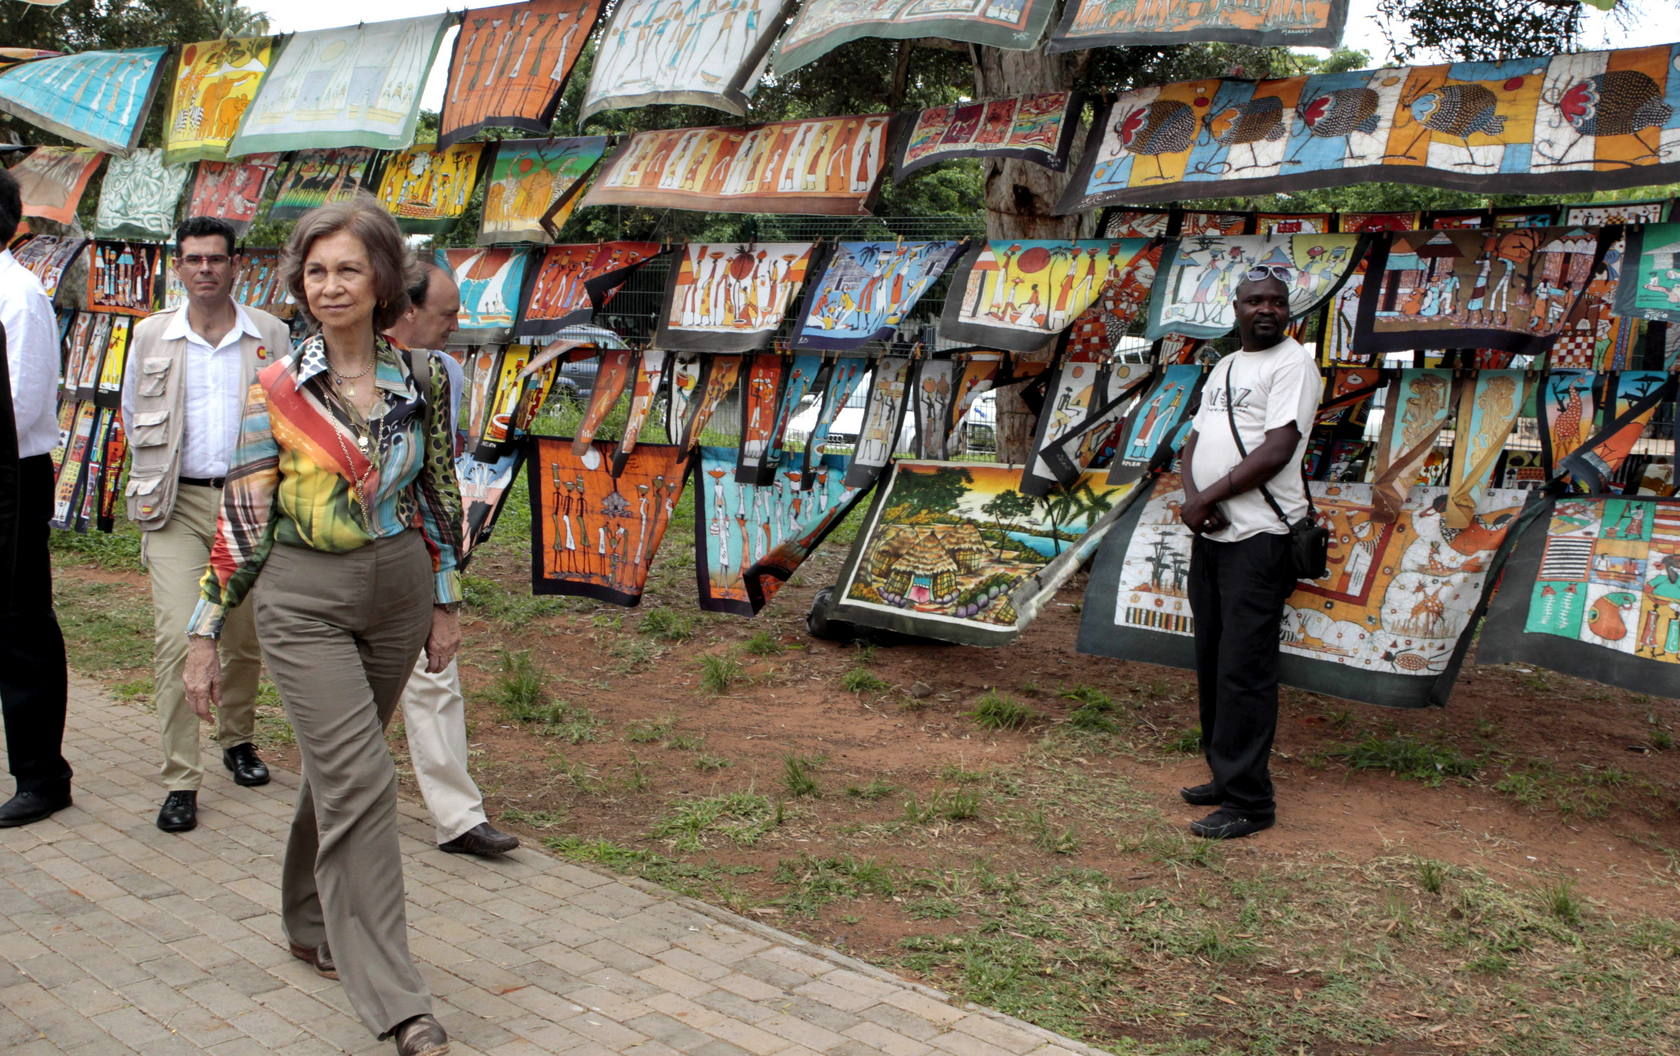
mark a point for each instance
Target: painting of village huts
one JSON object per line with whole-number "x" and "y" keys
{"x": 954, "y": 550}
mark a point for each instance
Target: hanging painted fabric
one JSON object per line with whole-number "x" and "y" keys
{"x": 1487, "y": 412}
{"x": 761, "y": 401}
{"x": 533, "y": 185}
{"x": 719, "y": 380}
{"x": 1419, "y": 403}
{"x": 1275, "y": 224}
{"x": 1603, "y": 214}
{"x": 527, "y": 377}
{"x": 866, "y": 290}
{"x": 1016, "y": 294}
{"x": 1566, "y": 404}
{"x": 492, "y": 284}
{"x": 650, "y": 375}
{"x": 1072, "y": 398}
{"x": 702, "y": 54}
{"x": 510, "y": 63}
{"x": 978, "y": 374}
{"x": 306, "y": 100}
{"x": 51, "y": 180}
{"x": 1113, "y": 23}
{"x": 1195, "y": 292}
{"x": 484, "y": 488}
{"x": 47, "y": 257}
{"x": 139, "y": 197}
{"x": 575, "y": 282}
{"x": 1638, "y": 394}
{"x": 818, "y": 165}
{"x": 120, "y": 277}
{"x": 804, "y": 373}
{"x": 1036, "y": 128}
{"x": 1388, "y": 625}
{"x": 1474, "y": 288}
{"x": 428, "y": 189}
{"x": 215, "y": 82}
{"x": 1593, "y": 591}
{"x": 1650, "y": 286}
{"x": 315, "y": 177}
{"x": 1094, "y": 442}
{"x": 594, "y": 534}
{"x": 730, "y": 297}
{"x": 232, "y": 190}
{"x": 257, "y": 283}
{"x": 1346, "y": 391}
{"x": 749, "y": 538}
{"x": 823, "y": 25}
{"x": 1123, "y": 297}
{"x": 1136, "y": 223}
{"x": 950, "y": 550}
{"x": 614, "y": 373}
{"x": 883, "y": 419}
{"x": 96, "y": 98}
{"x": 1155, "y": 421}
{"x": 844, "y": 375}
{"x": 931, "y": 402}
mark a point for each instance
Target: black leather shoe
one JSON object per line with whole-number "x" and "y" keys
{"x": 247, "y": 768}
{"x": 1228, "y": 824}
{"x": 483, "y": 839}
{"x": 26, "y": 807}
{"x": 1201, "y": 795}
{"x": 317, "y": 957}
{"x": 420, "y": 1036}
{"x": 179, "y": 812}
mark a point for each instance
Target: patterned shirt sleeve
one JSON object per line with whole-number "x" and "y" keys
{"x": 245, "y": 528}
{"x": 439, "y": 492}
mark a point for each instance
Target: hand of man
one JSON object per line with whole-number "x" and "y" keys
{"x": 1201, "y": 516}
{"x": 203, "y": 676}
{"x": 444, "y": 639}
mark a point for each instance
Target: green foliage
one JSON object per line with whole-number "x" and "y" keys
{"x": 668, "y": 625}
{"x": 719, "y": 673}
{"x": 876, "y": 788}
{"x": 798, "y": 775}
{"x": 863, "y": 680}
{"x": 520, "y": 692}
{"x": 1407, "y": 757}
{"x": 946, "y": 804}
{"x": 996, "y": 711}
{"x": 742, "y": 818}
{"x": 816, "y": 882}
{"x": 762, "y": 643}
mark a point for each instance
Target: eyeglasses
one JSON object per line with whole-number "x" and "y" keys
{"x": 1268, "y": 271}
{"x": 213, "y": 260}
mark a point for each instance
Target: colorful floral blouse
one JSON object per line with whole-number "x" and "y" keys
{"x": 294, "y": 473}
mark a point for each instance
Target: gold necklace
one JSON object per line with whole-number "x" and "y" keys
{"x": 340, "y": 379}
{"x": 358, "y": 484}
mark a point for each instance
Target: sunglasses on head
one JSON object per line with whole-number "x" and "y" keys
{"x": 1268, "y": 271}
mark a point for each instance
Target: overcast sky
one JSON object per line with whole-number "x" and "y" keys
{"x": 1658, "y": 21}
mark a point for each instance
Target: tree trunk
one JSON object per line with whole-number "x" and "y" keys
{"x": 1021, "y": 199}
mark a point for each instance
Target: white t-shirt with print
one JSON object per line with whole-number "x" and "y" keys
{"x": 1269, "y": 389}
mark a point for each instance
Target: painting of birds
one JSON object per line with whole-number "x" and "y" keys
{"x": 1256, "y": 121}
{"x": 1459, "y": 111}
{"x": 1614, "y": 103}
{"x": 1337, "y": 114}
{"x": 1164, "y": 126}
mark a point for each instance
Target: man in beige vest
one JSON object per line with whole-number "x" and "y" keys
{"x": 188, "y": 371}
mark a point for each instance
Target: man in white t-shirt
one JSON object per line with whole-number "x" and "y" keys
{"x": 1240, "y": 569}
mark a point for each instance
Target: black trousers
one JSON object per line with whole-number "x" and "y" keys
{"x": 33, "y": 683}
{"x": 1236, "y": 593}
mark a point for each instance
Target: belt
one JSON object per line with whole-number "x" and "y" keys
{"x": 205, "y": 482}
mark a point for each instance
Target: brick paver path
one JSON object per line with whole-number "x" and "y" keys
{"x": 115, "y": 937}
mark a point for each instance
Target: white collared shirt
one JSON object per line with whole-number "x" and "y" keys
{"x": 26, "y": 312}
{"x": 214, "y": 395}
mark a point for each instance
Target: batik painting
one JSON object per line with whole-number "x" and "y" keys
{"x": 1135, "y": 223}
{"x": 215, "y": 82}
{"x": 1016, "y": 294}
{"x": 51, "y": 180}
{"x": 805, "y": 373}
{"x": 315, "y": 177}
{"x": 1073, "y": 396}
{"x": 749, "y": 539}
{"x": 616, "y": 369}
{"x": 76, "y": 480}
{"x": 120, "y": 276}
{"x": 867, "y": 289}
{"x": 522, "y": 382}
{"x": 1635, "y": 396}
{"x": 492, "y": 281}
{"x": 484, "y": 486}
{"x": 1601, "y": 214}
{"x": 575, "y": 282}
{"x": 1128, "y": 23}
{"x": 47, "y": 256}
{"x": 1592, "y": 336}
{"x": 257, "y": 283}
{"x": 510, "y": 63}
{"x": 1593, "y": 590}
{"x": 952, "y": 550}
{"x": 232, "y": 190}
{"x": 977, "y": 373}
{"x": 883, "y": 419}
{"x": 692, "y": 405}
{"x": 1388, "y": 625}
{"x": 140, "y": 196}
{"x": 822, "y": 165}
{"x": 1155, "y": 421}
{"x": 1650, "y": 286}
{"x": 1195, "y": 292}
{"x": 96, "y": 98}
{"x": 1294, "y": 223}
{"x": 1405, "y": 220}
{"x": 930, "y": 404}
{"x": 428, "y": 190}
{"x": 1487, "y": 412}
{"x": 594, "y": 534}
{"x": 1510, "y": 289}
{"x": 530, "y": 176}
{"x": 1192, "y": 222}
{"x": 823, "y": 25}
{"x": 1418, "y": 405}
{"x": 1082, "y": 428}
{"x": 761, "y": 401}
{"x": 1590, "y": 121}
{"x": 1566, "y": 405}
{"x": 844, "y": 376}
{"x": 1121, "y": 300}
{"x": 353, "y": 86}
{"x": 707, "y": 53}
{"x": 1525, "y": 216}
{"x": 650, "y": 377}
{"x": 730, "y": 297}
{"x": 1036, "y": 128}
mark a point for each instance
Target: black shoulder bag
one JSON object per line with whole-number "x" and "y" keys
{"x": 1309, "y": 542}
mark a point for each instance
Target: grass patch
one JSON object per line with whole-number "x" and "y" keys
{"x": 490, "y": 600}
{"x": 718, "y": 674}
{"x": 877, "y": 788}
{"x": 816, "y": 882}
{"x": 668, "y": 625}
{"x": 1560, "y": 901}
{"x": 648, "y": 731}
{"x": 711, "y": 762}
{"x": 1185, "y": 742}
{"x": 1048, "y": 838}
{"x": 536, "y": 819}
{"x": 107, "y": 627}
{"x": 707, "y": 882}
{"x": 520, "y": 692}
{"x": 1406, "y": 756}
{"x": 762, "y": 643}
{"x": 863, "y": 680}
{"x": 742, "y": 818}
{"x": 798, "y": 775}
{"x": 997, "y": 711}
{"x": 118, "y": 550}
{"x": 946, "y": 804}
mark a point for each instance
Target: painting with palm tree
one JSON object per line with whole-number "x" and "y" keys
{"x": 954, "y": 550}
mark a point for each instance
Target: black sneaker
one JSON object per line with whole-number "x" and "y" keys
{"x": 1228, "y": 824}
{"x": 1202, "y": 795}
